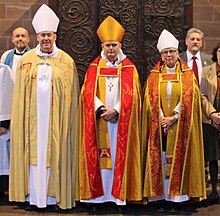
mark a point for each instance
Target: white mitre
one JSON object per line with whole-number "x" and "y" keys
{"x": 45, "y": 20}
{"x": 167, "y": 40}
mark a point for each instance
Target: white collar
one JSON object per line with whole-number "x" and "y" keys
{"x": 22, "y": 52}
{"x": 121, "y": 57}
{"x": 53, "y": 53}
{"x": 190, "y": 55}
{"x": 171, "y": 70}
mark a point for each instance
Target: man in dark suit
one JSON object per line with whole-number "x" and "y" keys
{"x": 194, "y": 42}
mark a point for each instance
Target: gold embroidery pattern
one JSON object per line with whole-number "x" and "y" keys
{"x": 154, "y": 148}
{"x": 185, "y": 119}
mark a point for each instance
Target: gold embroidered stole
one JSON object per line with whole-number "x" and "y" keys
{"x": 181, "y": 152}
{"x": 169, "y": 111}
{"x": 104, "y": 152}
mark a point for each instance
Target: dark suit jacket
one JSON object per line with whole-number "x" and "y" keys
{"x": 206, "y": 59}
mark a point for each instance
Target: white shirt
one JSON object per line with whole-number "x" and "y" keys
{"x": 198, "y": 61}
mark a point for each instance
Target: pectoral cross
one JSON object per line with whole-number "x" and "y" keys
{"x": 110, "y": 86}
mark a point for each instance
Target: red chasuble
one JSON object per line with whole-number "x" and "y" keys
{"x": 90, "y": 178}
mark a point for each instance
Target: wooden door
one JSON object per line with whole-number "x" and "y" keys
{"x": 143, "y": 21}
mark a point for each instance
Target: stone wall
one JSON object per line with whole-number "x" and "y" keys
{"x": 14, "y": 13}
{"x": 206, "y": 17}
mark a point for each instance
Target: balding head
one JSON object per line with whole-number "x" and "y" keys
{"x": 20, "y": 38}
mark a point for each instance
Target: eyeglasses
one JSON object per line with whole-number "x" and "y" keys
{"x": 171, "y": 52}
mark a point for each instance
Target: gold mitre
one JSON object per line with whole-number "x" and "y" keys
{"x": 110, "y": 30}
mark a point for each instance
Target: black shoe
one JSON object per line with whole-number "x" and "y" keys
{"x": 30, "y": 208}
{"x": 89, "y": 207}
{"x": 162, "y": 207}
{"x": 2, "y": 195}
{"x": 53, "y": 208}
{"x": 93, "y": 209}
{"x": 173, "y": 207}
{"x": 212, "y": 198}
{"x": 120, "y": 209}
{"x": 161, "y": 210}
{"x": 21, "y": 205}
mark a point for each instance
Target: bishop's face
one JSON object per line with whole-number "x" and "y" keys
{"x": 46, "y": 41}
{"x": 111, "y": 50}
{"x": 170, "y": 56}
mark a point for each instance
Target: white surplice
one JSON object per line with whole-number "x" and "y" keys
{"x": 6, "y": 92}
{"x": 39, "y": 174}
{"x": 5, "y": 153}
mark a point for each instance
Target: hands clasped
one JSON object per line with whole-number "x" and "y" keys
{"x": 215, "y": 117}
{"x": 167, "y": 122}
{"x": 3, "y": 131}
{"x": 109, "y": 114}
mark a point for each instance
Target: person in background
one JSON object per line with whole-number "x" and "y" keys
{"x": 172, "y": 131}
{"x": 6, "y": 91}
{"x": 110, "y": 114}
{"x": 44, "y": 135}
{"x": 20, "y": 39}
{"x": 194, "y": 42}
{"x": 210, "y": 91}
{"x": 196, "y": 60}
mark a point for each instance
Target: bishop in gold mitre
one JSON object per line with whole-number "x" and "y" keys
{"x": 110, "y": 106}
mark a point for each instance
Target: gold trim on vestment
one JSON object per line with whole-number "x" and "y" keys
{"x": 168, "y": 110}
{"x": 102, "y": 127}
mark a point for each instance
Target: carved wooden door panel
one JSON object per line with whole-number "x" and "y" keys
{"x": 143, "y": 21}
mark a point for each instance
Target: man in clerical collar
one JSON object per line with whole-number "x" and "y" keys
{"x": 44, "y": 122}
{"x": 110, "y": 108}
{"x": 20, "y": 39}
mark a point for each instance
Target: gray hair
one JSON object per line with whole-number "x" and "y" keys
{"x": 194, "y": 30}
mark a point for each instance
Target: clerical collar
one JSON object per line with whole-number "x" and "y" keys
{"x": 113, "y": 62}
{"x": 53, "y": 53}
{"x": 121, "y": 57}
{"x": 16, "y": 52}
{"x": 170, "y": 70}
